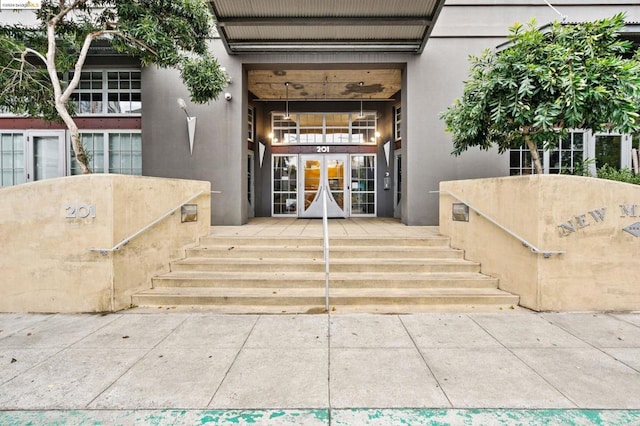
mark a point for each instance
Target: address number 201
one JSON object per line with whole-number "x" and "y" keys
{"x": 81, "y": 211}
{"x": 322, "y": 149}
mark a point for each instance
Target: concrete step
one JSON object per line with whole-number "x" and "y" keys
{"x": 274, "y": 274}
{"x": 276, "y": 242}
{"x": 285, "y": 298}
{"x": 317, "y": 280}
{"x": 336, "y": 252}
{"x": 317, "y": 265}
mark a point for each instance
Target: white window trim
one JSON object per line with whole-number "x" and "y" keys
{"x": 273, "y": 181}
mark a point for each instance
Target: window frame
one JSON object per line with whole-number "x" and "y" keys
{"x": 107, "y": 154}
{"x": 295, "y": 129}
{"x": 105, "y": 90}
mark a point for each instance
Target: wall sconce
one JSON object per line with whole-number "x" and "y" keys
{"x": 387, "y": 151}
{"x": 191, "y": 124}
{"x": 189, "y": 213}
{"x": 460, "y": 212}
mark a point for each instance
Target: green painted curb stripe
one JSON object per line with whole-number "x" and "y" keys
{"x": 368, "y": 417}
{"x": 484, "y": 417}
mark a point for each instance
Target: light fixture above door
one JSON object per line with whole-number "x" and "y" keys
{"x": 361, "y": 111}
{"x": 286, "y": 88}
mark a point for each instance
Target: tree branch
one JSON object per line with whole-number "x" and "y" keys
{"x": 79, "y": 64}
{"x": 33, "y": 52}
{"x": 66, "y": 11}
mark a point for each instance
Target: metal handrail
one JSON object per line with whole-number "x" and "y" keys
{"x": 325, "y": 234}
{"x": 125, "y": 241}
{"x": 545, "y": 253}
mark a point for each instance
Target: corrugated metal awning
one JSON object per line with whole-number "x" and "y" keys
{"x": 251, "y": 26}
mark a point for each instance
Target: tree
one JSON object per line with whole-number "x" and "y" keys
{"x": 167, "y": 33}
{"x": 545, "y": 82}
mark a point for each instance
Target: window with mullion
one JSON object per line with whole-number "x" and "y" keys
{"x": 108, "y": 92}
{"x": 11, "y": 159}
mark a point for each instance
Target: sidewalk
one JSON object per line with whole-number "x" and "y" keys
{"x": 170, "y": 367}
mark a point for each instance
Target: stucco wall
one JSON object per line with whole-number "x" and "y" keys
{"x": 583, "y": 216}
{"x": 46, "y": 263}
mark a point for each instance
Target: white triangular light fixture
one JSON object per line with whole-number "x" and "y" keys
{"x": 261, "y": 149}
{"x": 387, "y": 151}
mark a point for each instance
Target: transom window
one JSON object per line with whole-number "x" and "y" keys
{"x": 324, "y": 128}
{"x": 108, "y": 92}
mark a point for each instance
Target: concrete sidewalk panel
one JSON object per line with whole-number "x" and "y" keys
{"x": 633, "y": 318}
{"x": 627, "y": 356}
{"x": 68, "y": 380}
{"x": 176, "y": 378}
{"x": 276, "y": 378}
{"x": 211, "y": 331}
{"x": 11, "y": 323}
{"x": 289, "y": 331}
{"x": 491, "y": 378}
{"x": 527, "y": 331}
{"x": 600, "y": 330}
{"x": 14, "y": 362}
{"x": 133, "y": 331}
{"x": 588, "y": 377}
{"x": 368, "y": 331}
{"x": 57, "y": 331}
{"x": 447, "y": 331}
{"x": 382, "y": 377}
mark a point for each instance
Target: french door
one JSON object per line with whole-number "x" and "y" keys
{"x": 322, "y": 173}
{"x": 45, "y": 152}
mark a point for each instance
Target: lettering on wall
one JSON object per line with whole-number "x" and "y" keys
{"x": 597, "y": 216}
{"x": 628, "y": 210}
{"x": 582, "y": 221}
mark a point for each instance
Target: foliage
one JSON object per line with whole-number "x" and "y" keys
{"x": 621, "y": 175}
{"x": 169, "y": 34}
{"x": 545, "y": 82}
{"x": 580, "y": 168}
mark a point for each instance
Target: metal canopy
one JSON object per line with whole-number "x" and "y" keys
{"x": 272, "y": 26}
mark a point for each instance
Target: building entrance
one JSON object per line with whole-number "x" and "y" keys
{"x": 299, "y": 181}
{"x": 45, "y": 154}
{"x": 324, "y": 173}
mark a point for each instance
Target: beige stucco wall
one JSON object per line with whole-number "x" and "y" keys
{"x": 46, "y": 262}
{"x": 600, "y": 269}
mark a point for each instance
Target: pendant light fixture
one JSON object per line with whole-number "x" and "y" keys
{"x": 361, "y": 111}
{"x": 286, "y": 88}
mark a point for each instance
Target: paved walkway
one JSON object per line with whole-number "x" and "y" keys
{"x": 349, "y": 227}
{"x": 171, "y": 367}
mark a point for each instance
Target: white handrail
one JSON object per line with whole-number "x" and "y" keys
{"x": 125, "y": 241}
{"x": 325, "y": 233}
{"x": 545, "y": 253}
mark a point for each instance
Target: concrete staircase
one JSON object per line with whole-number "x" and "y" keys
{"x": 236, "y": 274}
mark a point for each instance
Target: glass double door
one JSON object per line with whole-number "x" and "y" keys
{"x": 324, "y": 174}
